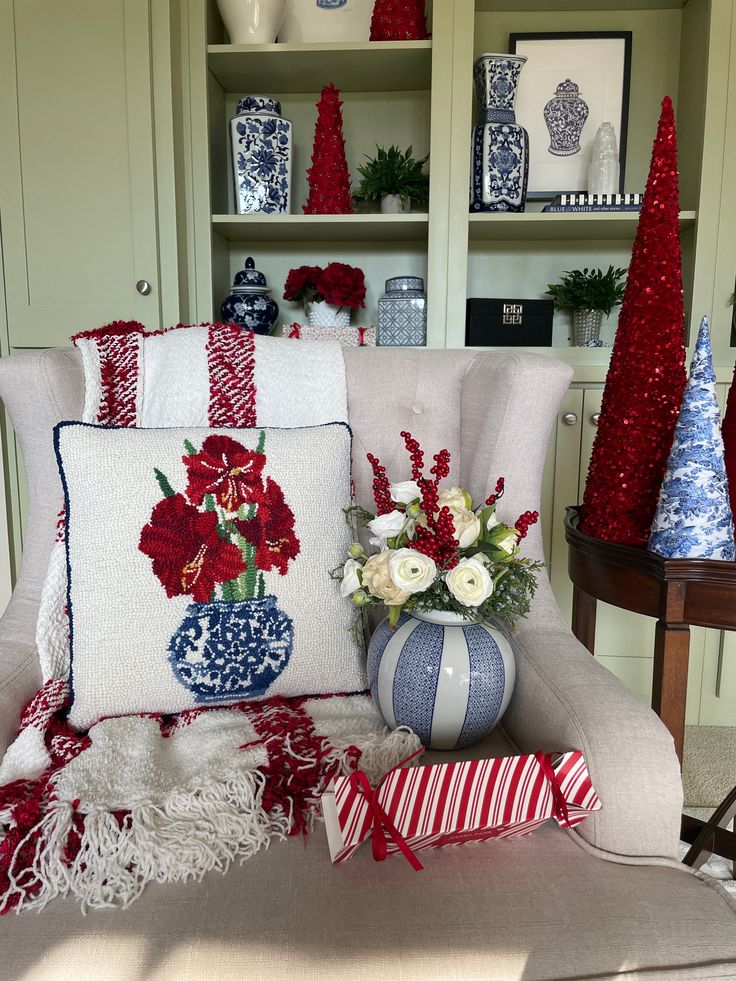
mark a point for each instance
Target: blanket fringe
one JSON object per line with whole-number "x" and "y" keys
{"x": 184, "y": 837}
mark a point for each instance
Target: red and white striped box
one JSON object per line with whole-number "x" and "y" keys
{"x": 450, "y": 803}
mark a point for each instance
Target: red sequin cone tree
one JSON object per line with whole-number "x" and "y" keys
{"x": 329, "y": 177}
{"x": 398, "y": 20}
{"x": 728, "y": 431}
{"x": 646, "y": 379}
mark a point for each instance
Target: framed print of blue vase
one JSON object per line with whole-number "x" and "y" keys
{"x": 261, "y": 141}
{"x": 564, "y": 116}
{"x": 500, "y": 154}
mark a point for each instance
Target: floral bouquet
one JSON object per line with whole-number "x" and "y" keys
{"x": 338, "y": 284}
{"x": 437, "y": 549}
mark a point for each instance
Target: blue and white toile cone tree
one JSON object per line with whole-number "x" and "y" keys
{"x": 693, "y": 519}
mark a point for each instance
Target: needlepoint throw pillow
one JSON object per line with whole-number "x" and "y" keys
{"x": 199, "y": 566}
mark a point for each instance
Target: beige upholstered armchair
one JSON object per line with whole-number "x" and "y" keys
{"x": 605, "y": 900}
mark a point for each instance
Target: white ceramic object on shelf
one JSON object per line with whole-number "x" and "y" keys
{"x": 393, "y": 204}
{"x": 321, "y": 314}
{"x": 252, "y": 21}
{"x": 326, "y": 20}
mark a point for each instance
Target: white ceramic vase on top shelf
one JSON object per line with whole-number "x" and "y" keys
{"x": 252, "y": 21}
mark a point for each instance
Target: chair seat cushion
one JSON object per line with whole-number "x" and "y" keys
{"x": 520, "y": 908}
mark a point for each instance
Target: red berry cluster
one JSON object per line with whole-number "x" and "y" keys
{"x": 525, "y": 521}
{"x": 500, "y": 484}
{"x": 415, "y": 452}
{"x": 381, "y": 492}
{"x": 441, "y": 466}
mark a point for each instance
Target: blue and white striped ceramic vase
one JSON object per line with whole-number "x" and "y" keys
{"x": 447, "y": 679}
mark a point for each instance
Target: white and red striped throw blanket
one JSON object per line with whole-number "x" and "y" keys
{"x": 98, "y": 815}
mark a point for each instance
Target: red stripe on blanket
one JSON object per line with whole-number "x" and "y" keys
{"x": 231, "y": 364}
{"x": 118, "y": 347}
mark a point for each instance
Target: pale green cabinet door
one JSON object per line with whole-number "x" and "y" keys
{"x": 566, "y": 437}
{"x": 77, "y": 188}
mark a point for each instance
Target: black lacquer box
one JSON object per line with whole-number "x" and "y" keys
{"x": 508, "y": 323}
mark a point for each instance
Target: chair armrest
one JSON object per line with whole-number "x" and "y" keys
{"x": 565, "y": 699}
{"x": 20, "y": 670}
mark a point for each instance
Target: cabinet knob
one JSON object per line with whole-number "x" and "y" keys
{"x": 595, "y": 418}
{"x": 143, "y": 287}
{"x": 570, "y": 419}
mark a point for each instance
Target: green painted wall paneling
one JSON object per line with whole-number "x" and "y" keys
{"x": 79, "y": 216}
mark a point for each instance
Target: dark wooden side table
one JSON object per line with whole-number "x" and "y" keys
{"x": 678, "y": 593}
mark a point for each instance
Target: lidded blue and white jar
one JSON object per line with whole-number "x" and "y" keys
{"x": 565, "y": 115}
{"x": 500, "y": 153}
{"x": 262, "y": 153}
{"x": 402, "y": 313}
{"x": 250, "y": 304}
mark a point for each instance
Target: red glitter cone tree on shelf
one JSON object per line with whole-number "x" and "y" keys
{"x": 398, "y": 20}
{"x": 728, "y": 431}
{"x": 329, "y": 177}
{"x": 646, "y": 379}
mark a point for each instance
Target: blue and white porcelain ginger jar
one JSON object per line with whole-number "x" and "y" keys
{"x": 262, "y": 152}
{"x": 500, "y": 155}
{"x": 565, "y": 115}
{"x": 446, "y": 678}
{"x": 250, "y": 303}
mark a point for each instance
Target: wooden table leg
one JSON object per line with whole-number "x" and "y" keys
{"x": 583, "y": 617}
{"x": 669, "y": 682}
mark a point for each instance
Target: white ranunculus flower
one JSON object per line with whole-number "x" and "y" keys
{"x": 492, "y": 521}
{"x": 377, "y": 580}
{"x": 467, "y": 524}
{"x": 405, "y": 491}
{"x": 469, "y": 582}
{"x": 411, "y": 570}
{"x": 508, "y": 543}
{"x": 386, "y": 526}
{"x": 350, "y": 581}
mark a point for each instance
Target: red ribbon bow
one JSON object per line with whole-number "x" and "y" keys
{"x": 558, "y": 800}
{"x": 382, "y": 823}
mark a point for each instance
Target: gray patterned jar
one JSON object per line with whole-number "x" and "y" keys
{"x": 261, "y": 145}
{"x": 402, "y": 313}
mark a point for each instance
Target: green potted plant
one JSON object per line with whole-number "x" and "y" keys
{"x": 589, "y": 293}
{"x": 394, "y": 178}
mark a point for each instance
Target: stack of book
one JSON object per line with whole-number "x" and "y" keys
{"x": 595, "y": 202}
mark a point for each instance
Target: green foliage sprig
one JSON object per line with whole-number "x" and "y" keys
{"x": 393, "y": 172}
{"x": 589, "y": 289}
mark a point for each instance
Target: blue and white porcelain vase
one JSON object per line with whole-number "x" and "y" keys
{"x": 500, "y": 157}
{"x": 262, "y": 151}
{"x": 250, "y": 304}
{"x": 565, "y": 115}
{"x": 231, "y": 649}
{"x": 446, "y": 678}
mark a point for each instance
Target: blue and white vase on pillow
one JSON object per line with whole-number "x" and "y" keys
{"x": 446, "y": 678}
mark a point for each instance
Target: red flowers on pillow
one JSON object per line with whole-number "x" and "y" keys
{"x": 217, "y": 539}
{"x": 187, "y": 553}
{"x": 227, "y": 470}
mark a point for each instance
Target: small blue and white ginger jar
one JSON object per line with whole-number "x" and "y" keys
{"x": 262, "y": 152}
{"x": 500, "y": 153}
{"x": 446, "y": 678}
{"x": 250, "y": 304}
